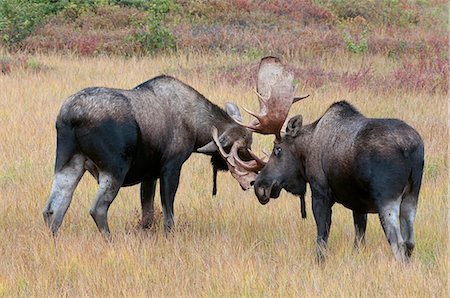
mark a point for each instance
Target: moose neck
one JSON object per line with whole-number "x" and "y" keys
{"x": 209, "y": 116}
{"x": 302, "y": 144}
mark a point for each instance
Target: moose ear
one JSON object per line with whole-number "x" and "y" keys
{"x": 294, "y": 125}
{"x": 233, "y": 111}
{"x": 211, "y": 147}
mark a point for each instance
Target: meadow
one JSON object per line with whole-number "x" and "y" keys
{"x": 222, "y": 246}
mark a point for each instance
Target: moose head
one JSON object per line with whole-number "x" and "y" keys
{"x": 276, "y": 94}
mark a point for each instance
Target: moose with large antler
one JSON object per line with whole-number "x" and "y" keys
{"x": 368, "y": 165}
{"x": 127, "y": 137}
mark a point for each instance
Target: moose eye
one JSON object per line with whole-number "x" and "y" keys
{"x": 277, "y": 151}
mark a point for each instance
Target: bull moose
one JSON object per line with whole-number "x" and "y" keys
{"x": 126, "y": 137}
{"x": 368, "y": 165}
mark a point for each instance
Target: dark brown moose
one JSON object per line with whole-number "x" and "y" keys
{"x": 126, "y": 137}
{"x": 368, "y": 165}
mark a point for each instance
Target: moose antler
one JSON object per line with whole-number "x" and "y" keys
{"x": 276, "y": 94}
{"x": 243, "y": 171}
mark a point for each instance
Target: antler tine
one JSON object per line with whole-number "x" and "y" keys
{"x": 264, "y": 99}
{"x": 251, "y": 165}
{"x": 243, "y": 174}
{"x": 298, "y": 98}
{"x": 259, "y": 117}
{"x": 215, "y": 136}
{"x": 251, "y": 127}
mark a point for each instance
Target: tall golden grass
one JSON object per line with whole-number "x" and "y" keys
{"x": 228, "y": 245}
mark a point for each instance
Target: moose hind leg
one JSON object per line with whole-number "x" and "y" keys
{"x": 109, "y": 186}
{"x": 147, "y": 202}
{"x": 408, "y": 208}
{"x": 389, "y": 215}
{"x": 65, "y": 181}
{"x": 360, "y": 222}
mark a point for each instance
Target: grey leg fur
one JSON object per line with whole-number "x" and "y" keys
{"x": 108, "y": 188}
{"x": 389, "y": 217}
{"x": 65, "y": 181}
{"x": 408, "y": 208}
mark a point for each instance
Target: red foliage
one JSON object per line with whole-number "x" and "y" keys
{"x": 85, "y": 45}
{"x": 243, "y": 5}
{"x": 299, "y": 10}
{"x": 239, "y": 75}
{"x": 353, "y": 80}
{"x": 313, "y": 75}
{"x": 107, "y": 31}
{"x": 426, "y": 73}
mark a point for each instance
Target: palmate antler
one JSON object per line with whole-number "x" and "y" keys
{"x": 276, "y": 94}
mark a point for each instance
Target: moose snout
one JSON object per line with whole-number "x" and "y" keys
{"x": 264, "y": 191}
{"x": 260, "y": 192}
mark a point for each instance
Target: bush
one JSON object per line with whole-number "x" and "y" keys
{"x": 18, "y": 18}
{"x": 19, "y": 62}
{"x": 425, "y": 73}
{"x": 6, "y": 65}
{"x": 140, "y": 4}
{"x": 380, "y": 12}
{"x": 354, "y": 33}
{"x": 152, "y": 34}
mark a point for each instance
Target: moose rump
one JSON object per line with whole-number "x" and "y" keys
{"x": 94, "y": 127}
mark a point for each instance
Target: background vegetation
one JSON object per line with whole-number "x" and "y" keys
{"x": 389, "y": 58}
{"x": 412, "y": 35}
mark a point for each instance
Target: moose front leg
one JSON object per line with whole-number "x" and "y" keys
{"x": 169, "y": 184}
{"x": 321, "y": 205}
{"x": 147, "y": 202}
{"x": 214, "y": 190}
{"x": 360, "y": 221}
{"x": 303, "y": 205}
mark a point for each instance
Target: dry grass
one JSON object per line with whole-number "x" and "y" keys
{"x": 223, "y": 246}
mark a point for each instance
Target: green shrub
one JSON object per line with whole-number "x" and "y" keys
{"x": 357, "y": 46}
{"x": 355, "y": 33}
{"x": 140, "y": 4}
{"x": 380, "y": 12}
{"x": 18, "y": 18}
{"x": 33, "y": 64}
{"x": 152, "y": 34}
